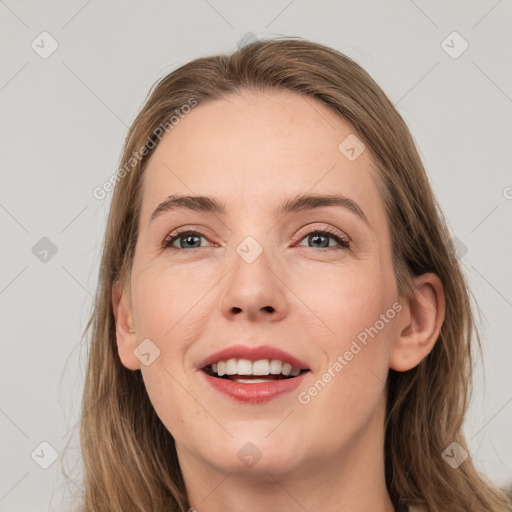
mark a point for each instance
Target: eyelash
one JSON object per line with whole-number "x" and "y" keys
{"x": 344, "y": 242}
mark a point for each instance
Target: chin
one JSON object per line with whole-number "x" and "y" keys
{"x": 257, "y": 453}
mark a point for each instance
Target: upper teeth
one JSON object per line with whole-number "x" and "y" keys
{"x": 261, "y": 367}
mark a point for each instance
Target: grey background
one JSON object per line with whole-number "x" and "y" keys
{"x": 63, "y": 121}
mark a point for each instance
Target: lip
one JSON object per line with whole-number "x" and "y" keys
{"x": 253, "y": 354}
{"x": 254, "y": 393}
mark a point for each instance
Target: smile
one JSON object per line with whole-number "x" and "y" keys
{"x": 240, "y": 369}
{"x": 251, "y": 377}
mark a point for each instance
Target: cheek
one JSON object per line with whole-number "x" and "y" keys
{"x": 341, "y": 300}
{"x": 170, "y": 396}
{"x": 355, "y": 340}
{"x": 169, "y": 300}
{"x": 172, "y": 311}
{"x": 350, "y": 320}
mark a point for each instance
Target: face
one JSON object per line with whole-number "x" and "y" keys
{"x": 308, "y": 289}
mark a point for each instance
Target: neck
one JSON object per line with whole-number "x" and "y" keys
{"x": 351, "y": 479}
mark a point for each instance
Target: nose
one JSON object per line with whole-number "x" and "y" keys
{"x": 255, "y": 291}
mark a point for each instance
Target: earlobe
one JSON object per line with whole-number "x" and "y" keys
{"x": 125, "y": 333}
{"x": 419, "y": 323}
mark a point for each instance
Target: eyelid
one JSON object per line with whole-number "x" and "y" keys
{"x": 182, "y": 231}
{"x": 175, "y": 234}
{"x": 325, "y": 228}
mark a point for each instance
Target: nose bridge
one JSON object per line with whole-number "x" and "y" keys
{"x": 253, "y": 287}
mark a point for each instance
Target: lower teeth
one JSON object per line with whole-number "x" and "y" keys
{"x": 251, "y": 381}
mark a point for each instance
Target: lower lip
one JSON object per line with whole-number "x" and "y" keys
{"x": 254, "y": 393}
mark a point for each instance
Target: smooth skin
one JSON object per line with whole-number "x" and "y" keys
{"x": 308, "y": 296}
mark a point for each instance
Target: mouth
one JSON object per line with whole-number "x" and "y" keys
{"x": 248, "y": 372}
{"x": 253, "y": 375}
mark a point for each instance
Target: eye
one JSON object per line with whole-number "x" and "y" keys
{"x": 188, "y": 240}
{"x": 321, "y": 237}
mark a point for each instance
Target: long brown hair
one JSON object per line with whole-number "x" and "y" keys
{"x": 129, "y": 457}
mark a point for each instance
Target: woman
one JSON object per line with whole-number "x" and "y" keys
{"x": 281, "y": 322}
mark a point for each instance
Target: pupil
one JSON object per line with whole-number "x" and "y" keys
{"x": 313, "y": 237}
{"x": 187, "y": 239}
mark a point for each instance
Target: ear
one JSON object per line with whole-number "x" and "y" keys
{"x": 125, "y": 333}
{"x": 419, "y": 323}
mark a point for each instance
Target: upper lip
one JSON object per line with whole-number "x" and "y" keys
{"x": 253, "y": 354}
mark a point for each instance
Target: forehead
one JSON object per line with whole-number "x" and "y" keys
{"x": 253, "y": 149}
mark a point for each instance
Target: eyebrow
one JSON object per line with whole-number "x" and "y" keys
{"x": 300, "y": 202}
